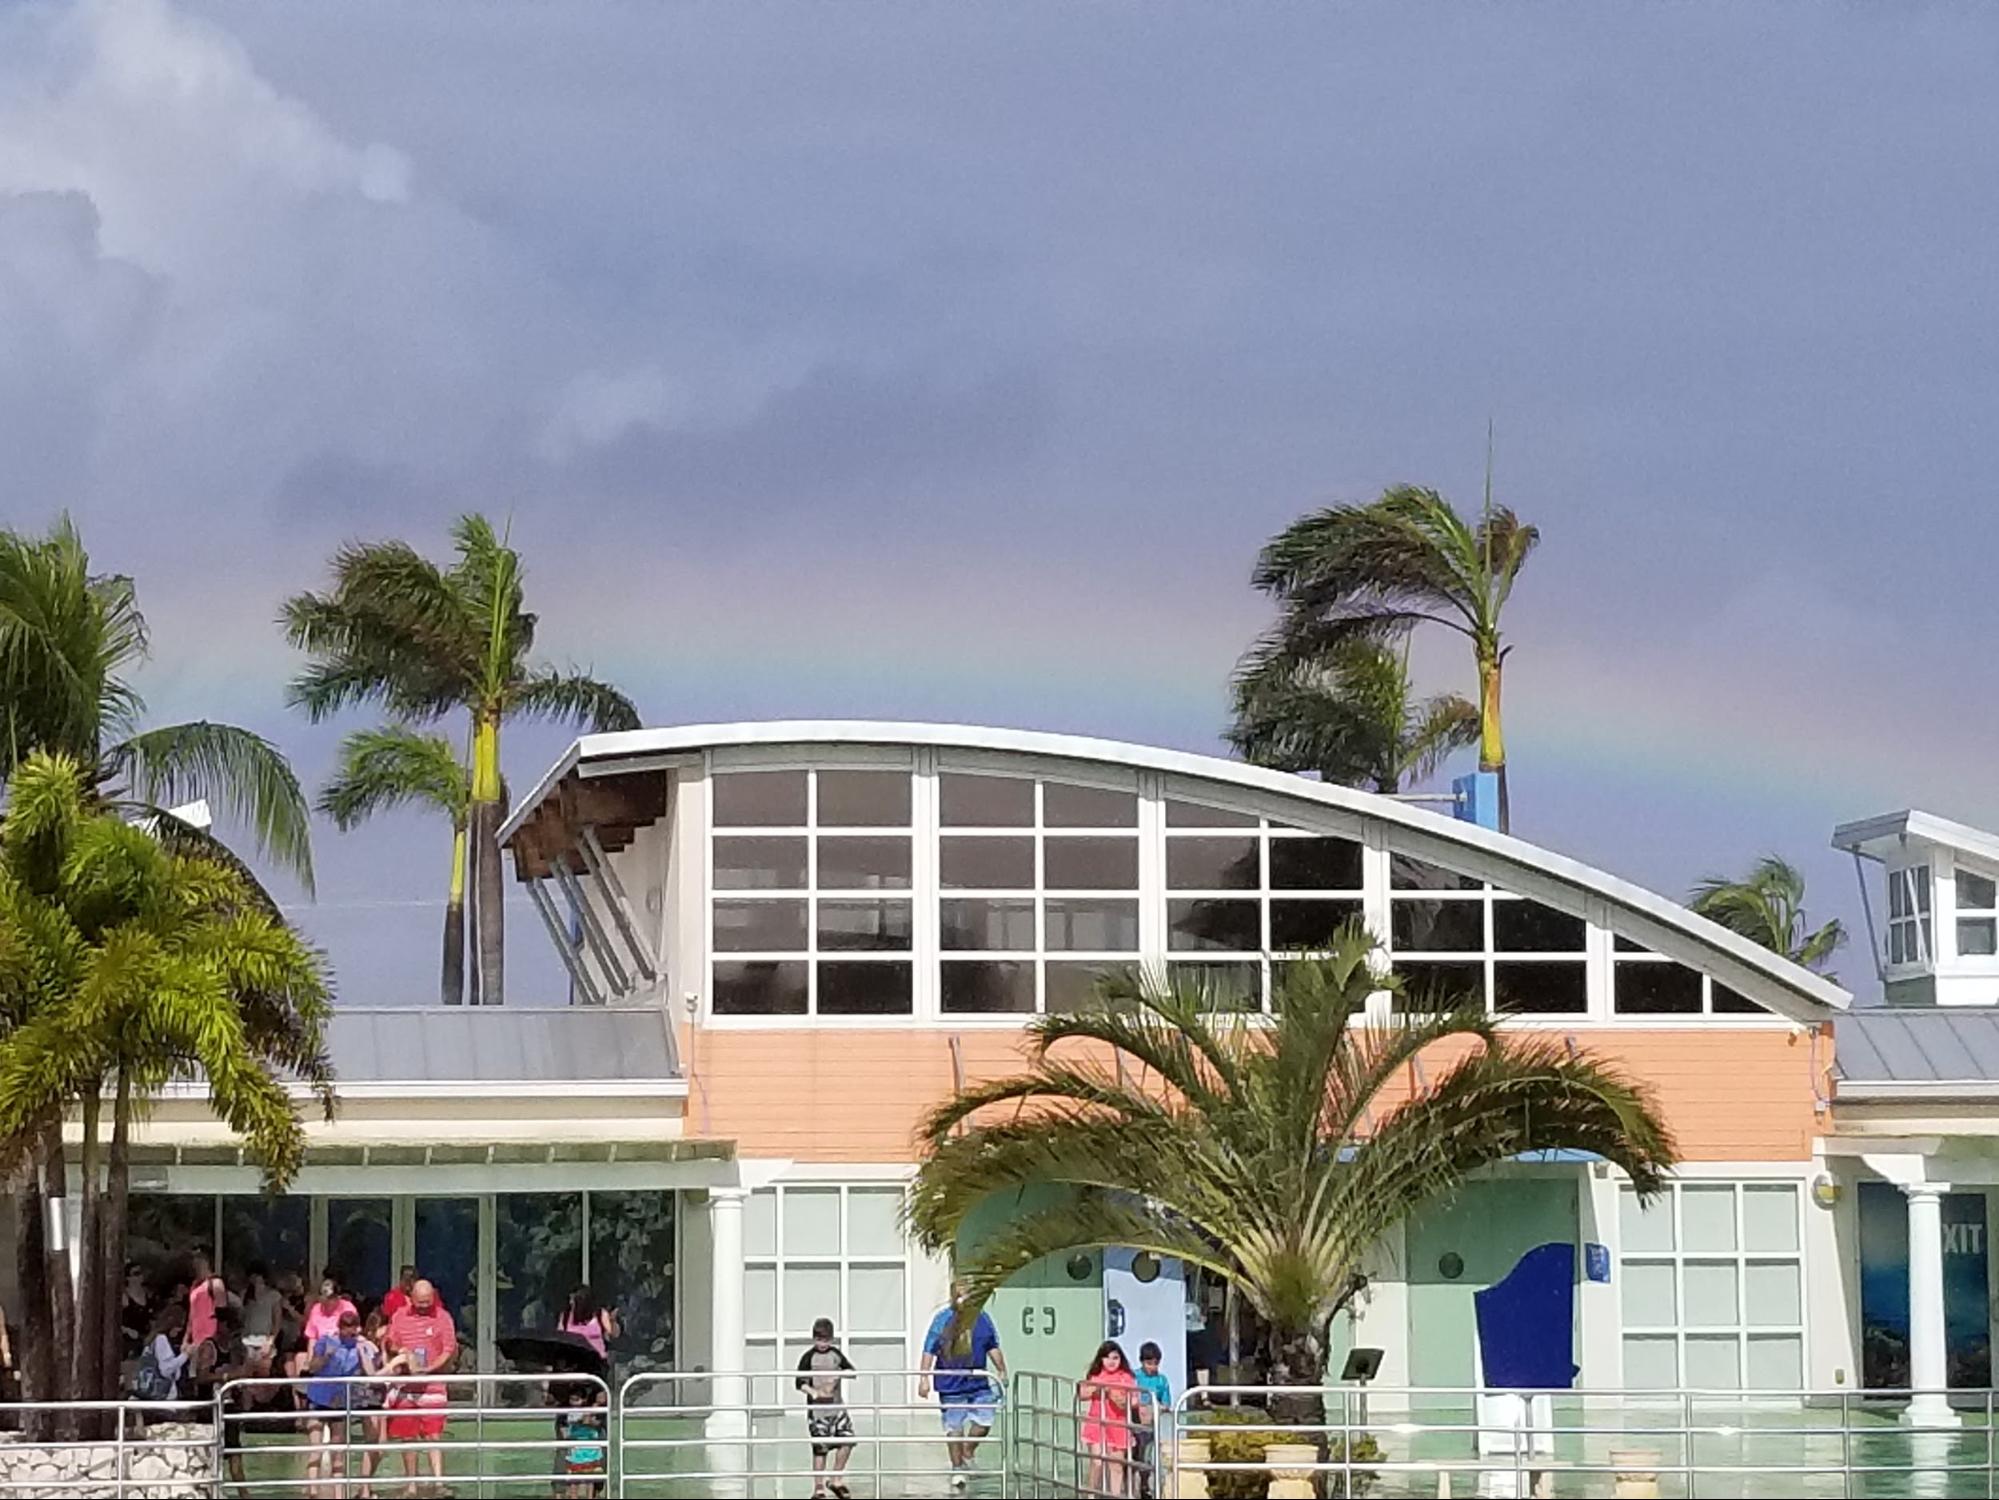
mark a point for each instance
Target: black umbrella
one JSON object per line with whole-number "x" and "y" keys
{"x": 557, "y": 1353}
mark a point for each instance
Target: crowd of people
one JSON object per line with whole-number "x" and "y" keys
{"x": 345, "y": 1375}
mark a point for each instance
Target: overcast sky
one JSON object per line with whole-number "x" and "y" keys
{"x": 947, "y": 361}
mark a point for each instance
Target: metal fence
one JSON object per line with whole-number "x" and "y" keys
{"x": 481, "y": 1435}
{"x": 1672, "y": 1444}
{"x": 754, "y": 1434}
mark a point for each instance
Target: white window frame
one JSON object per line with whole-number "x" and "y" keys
{"x": 1961, "y": 913}
{"x": 793, "y": 1328}
{"x": 1741, "y": 1258}
{"x": 1909, "y": 937}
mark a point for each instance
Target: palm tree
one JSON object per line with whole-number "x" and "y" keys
{"x": 1767, "y": 906}
{"x": 67, "y": 639}
{"x": 1367, "y": 571}
{"x": 1274, "y": 1156}
{"x": 121, "y": 957}
{"x": 395, "y": 765}
{"x": 1350, "y": 716}
{"x": 427, "y": 642}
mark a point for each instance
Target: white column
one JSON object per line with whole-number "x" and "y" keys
{"x": 1929, "y": 1405}
{"x": 729, "y": 1421}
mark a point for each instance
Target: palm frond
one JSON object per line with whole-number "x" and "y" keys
{"x": 572, "y": 698}
{"x": 393, "y": 766}
{"x": 243, "y": 772}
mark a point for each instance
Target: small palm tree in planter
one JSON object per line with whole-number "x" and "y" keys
{"x": 1275, "y": 1154}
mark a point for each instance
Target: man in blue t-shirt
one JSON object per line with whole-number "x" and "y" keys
{"x": 969, "y": 1396}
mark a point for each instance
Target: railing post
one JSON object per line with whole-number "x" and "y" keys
{"x": 118, "y": 1452}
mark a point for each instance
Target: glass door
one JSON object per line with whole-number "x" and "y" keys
{"x": 446, "y": 1254}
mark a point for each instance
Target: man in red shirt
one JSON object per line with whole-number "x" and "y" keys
{"x": 399, "y": 1294}
{"x": 422, "y": 1340}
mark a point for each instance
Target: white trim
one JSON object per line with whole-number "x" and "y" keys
{"x": 1934, "y": 1089}
{"x": 1912, "y": 826}
{"x": 476, "y": 1088}
{"x": 1811, "y": 996}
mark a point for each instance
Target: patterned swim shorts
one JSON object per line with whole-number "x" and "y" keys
{"x": 831, "y": 1427}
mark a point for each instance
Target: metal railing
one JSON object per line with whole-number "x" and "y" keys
{"x": 484, "y": 1435}
{"x": 1422, "y": 1441}
{"x": 754, "y": 1434}
{"x": 110, "y": 1448}
{"x": 1070, "y": 1438}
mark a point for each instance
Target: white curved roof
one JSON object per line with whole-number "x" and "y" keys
{"x": 1645, "y": 916}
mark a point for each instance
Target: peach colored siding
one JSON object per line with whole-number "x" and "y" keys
{"x": 825, "y": 1094}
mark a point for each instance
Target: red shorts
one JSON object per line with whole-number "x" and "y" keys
{"x": 418, "y": 1416}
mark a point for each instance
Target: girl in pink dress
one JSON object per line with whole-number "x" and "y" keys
{"x": 1110, "y": 1397}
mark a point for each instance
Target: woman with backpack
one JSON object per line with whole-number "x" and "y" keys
{"x": 163, "y": 1358}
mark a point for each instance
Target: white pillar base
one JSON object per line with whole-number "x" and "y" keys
{"x": 1930, "y": 1409}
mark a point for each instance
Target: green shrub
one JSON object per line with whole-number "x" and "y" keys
{"x": 1226, "y": 1447}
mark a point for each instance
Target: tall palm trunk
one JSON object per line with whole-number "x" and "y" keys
{"x": 486, "y": 849}
{"x": 1298, "y": 1370}
{"x": 62, "y": 1288}
{"x": 1491, "y": 740}
{"x": 453, "y": 970}
{"x": 85, "y": 1377}
{"x": 36, "y": 1347}
{"x": 111, "y": 1238}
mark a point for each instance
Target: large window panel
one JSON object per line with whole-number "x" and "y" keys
{"x": 760, "y": 799}
{"x": 1315, "y": 864}
{"x": 1077, "y": 925}
{"x": 631, "y": 1269}
{"x": 863, "y": 799}
{"x": 760, "y": 988}
{"x": 864, "y": 926}
{"x": 1090, "y": 864}
{"x": 538, "y": 1258}
{"x": 759, "y": 926}
{"x": 854, "y": 988}
{"x": 986, "y": 864}
{"x": 1432, "y": 985}
{"x": 1214, "y": 864}
{"x": 987, "y": 987}
{"x": 987, "y": 925}
{"x": 1297, "y": 925}
{"x": 274, "y": 1232}
{"x": 1223, "y": 985}
{"x": 759, "y": 864}
{"x": 972, "y": 801}
{"x": 358, "y": 1245}
{"x": 1217, "y": 925}
{"x": 863, "y": 864}
{"x": 1066, "y": 806}
{"x": 1540, "y": 989}
{"x": 1529, "y": 927}
{"x": 1418, "y": 926}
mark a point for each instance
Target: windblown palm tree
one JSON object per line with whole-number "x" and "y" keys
{"x": 1371, "y": 571}
{"x": 1350, "y": 717}
{"x": 395, "y": 766}
{"x": 67, "y": 639}
{"x": 1276, "y": 1157}
{"x": 427, "y": 642}
{"x": 124, "y": 960}
{"x": 1767, "y": 906}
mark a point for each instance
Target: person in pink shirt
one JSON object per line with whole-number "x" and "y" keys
{"x": 323, "y": 1317}
{"x": 421, "y": 1340}
{"x": 202, "y": 1292}
{"x": 1109, "y": 1391}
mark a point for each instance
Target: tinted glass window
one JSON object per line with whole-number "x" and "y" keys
{"x": 759, "y": 864}
{"x": 1200, "y": 815}
{"x": 986, "y": 925}
{"x": 1530, "y": 927}
{"x": 1086, "y": 864}
{"x": 760, "y": 989}
{"x": 1065, "y": 806}
{"x": 850, "y": 925}
{"x": 1429, "y": 985}
{"x": 999, "y": 864}
{"x": 864, "y": 989}
{"x": 760, "y": 799}
{"x": 1657, "y": 989}
{"x": 863, "y": 799}
{"x": 1236, "y": 926}
{"x": 1219, "y": 864}
{"x": 863, "y": 864}
{"x": 759, "y": 926}
{"x": 1223, "y": 986}
{"x": 1548, "y": 989}
{"x": 985, "y": 985}
{"x": 1438, "y": 926}
{"x": 1092, "y": 926}
{"x": 1408, "y": 873}
{"x": 1328, "y": 864}
{"x": 968, "y": 801}
{"x": 1308, "y": 924}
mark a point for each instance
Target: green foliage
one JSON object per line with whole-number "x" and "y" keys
{"x": 393, "y": 766}
{"x": 1350, "y": 716}
{"x": 1274, "y": 1155}
{"x": 1767, "y": 906}
{"x": 1248, "y": 1446}
{"x": 119, "y": 954}
{"x": 67, "y": 639}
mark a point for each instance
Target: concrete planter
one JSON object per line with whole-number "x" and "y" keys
{"x": 1634, "y": 1473}
{"x": 1190, "y": 1481}
{"x": 1290, "y": 1466}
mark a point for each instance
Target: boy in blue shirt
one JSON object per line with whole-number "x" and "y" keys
{"x": 967, "y": 1394}
{"x": 1152, "y": 1411}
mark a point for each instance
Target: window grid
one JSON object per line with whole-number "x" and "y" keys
{"x": 1715, "y": 998}
{"x": 1043, "y": 901}
{"x": 1261, "y": 833}
{"x": 1581, "y": 982}
{"x": 1740, "y": 1333}
{"x": 819, "y": 897}
{"x": 1910, "y": 936}
{"x": 776, "y": 1344}
{"x": 1564, "y": 967}
{"x": 1976, "y": 900}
